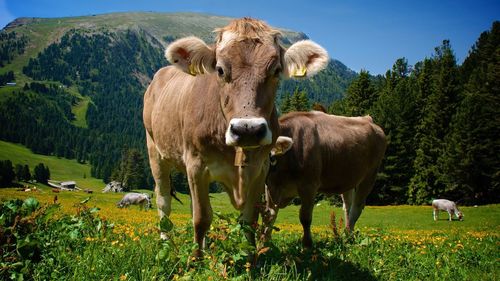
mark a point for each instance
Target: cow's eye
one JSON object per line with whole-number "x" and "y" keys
{"x": 220, "y": 71}
{"x": 277, "y": 71}
{"x": 273, "y": 160}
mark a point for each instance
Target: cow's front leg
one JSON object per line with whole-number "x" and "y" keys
{"x": 250, "y": 211}
{"x": 161, "y": 174}
{"x": 269, "y": 216}
{"x": 200, "y": 203}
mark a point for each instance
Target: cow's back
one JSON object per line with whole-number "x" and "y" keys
{"x": 338, "y": 151}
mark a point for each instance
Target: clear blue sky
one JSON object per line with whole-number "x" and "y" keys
{"x": 367, "y": 35}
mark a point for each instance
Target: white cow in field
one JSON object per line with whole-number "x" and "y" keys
{"x": 141, "y": 199}
{"x": 448, "y": 206}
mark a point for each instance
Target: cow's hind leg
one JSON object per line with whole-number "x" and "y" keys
{"x": 306, "y": 211}
{"x": 359, "y": 199}
{"x": 200, "y": 203}
{"x": 346, "y": 205}
{"x": 161, "y": 174}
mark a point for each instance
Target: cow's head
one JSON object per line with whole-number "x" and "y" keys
{"x": 248, "y": 61}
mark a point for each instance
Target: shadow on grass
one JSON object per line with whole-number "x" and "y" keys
{"x": 319, "y": 263}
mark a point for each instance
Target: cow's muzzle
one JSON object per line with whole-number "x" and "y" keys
{"x": 248, "y": 132}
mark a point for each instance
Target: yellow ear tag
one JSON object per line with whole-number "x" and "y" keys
{"x": 300, "y": 72}
{"x": 191, "y": 69}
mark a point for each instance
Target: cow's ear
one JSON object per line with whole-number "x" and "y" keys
{"x": 191, "y": 55}
{"x": 283, "y": 144}
{"x": 304, "y": 59}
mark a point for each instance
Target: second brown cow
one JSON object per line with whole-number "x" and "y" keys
{"x": 328, "y": 154}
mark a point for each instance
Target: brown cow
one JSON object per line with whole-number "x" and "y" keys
{"x": 214, "y": 101}
{"x": 329, "y": 154}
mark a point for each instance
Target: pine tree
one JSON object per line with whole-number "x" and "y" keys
{"x": 26, "y": 173}
{"x": 7, "y": 174}
{"x": 131, "y": 170}
{"x": 134, "y": 177}
{"x": 285, "y": 104}
{"x": 395, "y": 112}
{"x": 360, "y": 95}
{"x": 41, "y": 173}
{"x": 298, "y": 101}
{"x": 470, "y": 161}
{"x": 437, "y": 113}
{"x": 19, "y": 172}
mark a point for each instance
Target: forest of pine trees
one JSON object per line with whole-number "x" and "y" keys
{"x": 11, "y": 45}
{"x": 442, "y": 123}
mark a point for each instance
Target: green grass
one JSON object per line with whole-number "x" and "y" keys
{"x": 61, "y": 169}
{"x": 80, "y": 112}
{"x": 53, "y": 246}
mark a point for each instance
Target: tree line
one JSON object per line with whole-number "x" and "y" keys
{"x": 21, "y": 173}
{"x": 442, "y": 124}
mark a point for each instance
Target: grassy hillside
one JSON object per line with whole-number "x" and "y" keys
{"x": 60, "y": 169}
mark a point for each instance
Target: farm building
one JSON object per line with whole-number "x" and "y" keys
{"x": 68, "y": 184}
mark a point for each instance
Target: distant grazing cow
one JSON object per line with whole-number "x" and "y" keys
{"x": 212, "y": 115}
{"x": 445, "y": 205}
{"x": 328, "y": 154}
{"x": 141, "y": 199}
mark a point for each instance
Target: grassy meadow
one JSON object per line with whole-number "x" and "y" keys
{"x": 86, "y": 237}
{"x": 61, "y": 169}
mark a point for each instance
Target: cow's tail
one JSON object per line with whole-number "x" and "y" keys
{"x": 173, "y": 192}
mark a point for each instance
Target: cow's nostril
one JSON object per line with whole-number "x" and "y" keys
{"x": 261, "y": 131}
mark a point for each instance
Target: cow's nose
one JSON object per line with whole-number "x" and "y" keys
{"x": 248, "y": 132}
{"x": 246, "y": 129}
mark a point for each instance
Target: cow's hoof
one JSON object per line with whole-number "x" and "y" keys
{"x": 307, "y": 243}
{"x": 197, "y": 254}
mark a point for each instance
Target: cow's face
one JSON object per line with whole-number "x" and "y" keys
{"x": 248, "y": 63}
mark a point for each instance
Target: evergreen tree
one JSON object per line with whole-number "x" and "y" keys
{"x": 438, "y": 110}
{"x": 395, "y": 112}
{"x": 470, "y": 163}
{"x": 360, "y": 95}
{"x": 134, "y": 177}
{"x": 131, "y": 171}
{"x": 7, "y": 174}
{"x": 286, "y": 105}
{"x": 298, "y": 101}
{"x": 26, "y": 173}
{"x": 41, "y": 173}
{"x": 19, "y": 170}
